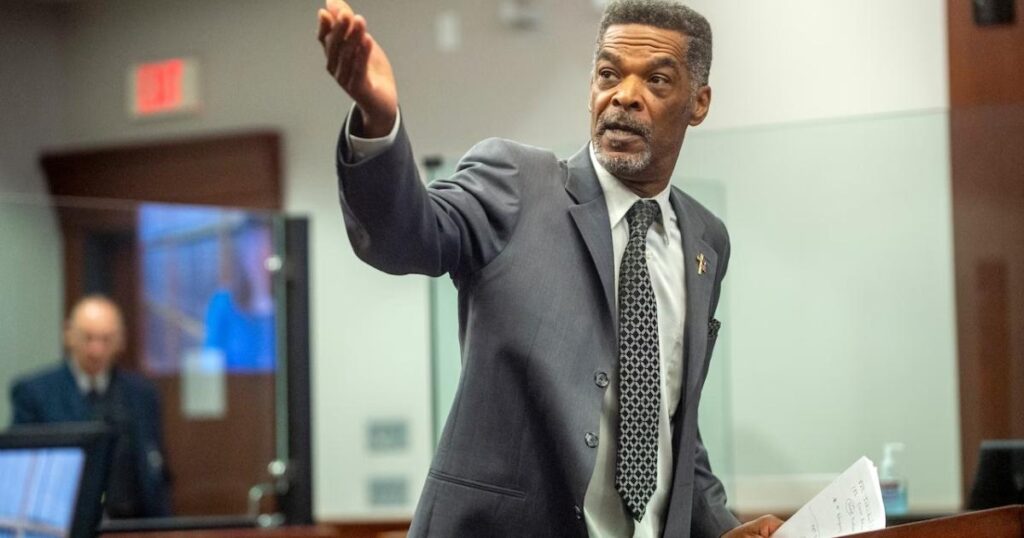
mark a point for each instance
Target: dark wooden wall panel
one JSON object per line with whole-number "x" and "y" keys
{"x": 986, "y": 68}
{"x": 233, "y": 170}
{"x": 214, "y": 462}
{"x": 988, "y": 221}
{"x": 986, "y": 63}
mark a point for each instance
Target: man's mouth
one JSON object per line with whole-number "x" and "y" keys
{"x": 616, "y": 128}
{"x": 623, "y": 129}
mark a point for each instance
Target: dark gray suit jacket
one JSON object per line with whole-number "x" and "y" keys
{"x": 527, "y": 242}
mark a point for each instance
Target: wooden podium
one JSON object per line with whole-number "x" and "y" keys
{"x": 1005, "y": 522}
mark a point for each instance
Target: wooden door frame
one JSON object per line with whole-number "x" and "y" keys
{"x": 96, "y": 191}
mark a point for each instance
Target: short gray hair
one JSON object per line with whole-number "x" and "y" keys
{"x": 667, "y": 15}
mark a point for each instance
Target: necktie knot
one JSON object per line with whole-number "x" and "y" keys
{"x": 641, "y": 216}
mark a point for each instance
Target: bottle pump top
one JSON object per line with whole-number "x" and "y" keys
{"x": 888, "y": 461}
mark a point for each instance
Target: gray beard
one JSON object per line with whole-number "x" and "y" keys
{"x": 625, "y": 166}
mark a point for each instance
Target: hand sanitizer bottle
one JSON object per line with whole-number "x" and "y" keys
{"x": 892, "y": 481}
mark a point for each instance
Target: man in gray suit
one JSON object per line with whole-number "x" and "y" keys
{"x": 587, "y": 292}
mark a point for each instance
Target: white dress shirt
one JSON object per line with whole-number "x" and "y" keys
{"x": 605, "y": 513}
{"x": 86, "y": 382}
{"x": 364, "y": 148}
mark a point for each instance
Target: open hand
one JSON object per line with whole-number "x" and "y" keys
{"x": 359, "y": 65}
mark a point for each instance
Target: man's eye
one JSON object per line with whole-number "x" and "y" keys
{"x": 659, "y": 79}
{"x": 606, "y": 74}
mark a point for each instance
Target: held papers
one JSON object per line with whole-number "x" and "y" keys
{"x": 852, "y": 503}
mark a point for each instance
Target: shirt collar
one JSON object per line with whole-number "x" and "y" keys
{"x": 619, "y": 198}
{"x": 86, "y": 382}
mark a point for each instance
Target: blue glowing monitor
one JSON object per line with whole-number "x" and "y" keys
{"x": 52, "y": 479}
{"x": 208, "y": 289}
{"x": 40, "y": 487}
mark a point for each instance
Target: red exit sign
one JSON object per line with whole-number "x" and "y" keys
{"x": 164, "y": 87}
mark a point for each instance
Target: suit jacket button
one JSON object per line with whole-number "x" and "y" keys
{"x": 591, "y": 439}
{"x": 601, "y": 379}
{"x": 579, "y": 513}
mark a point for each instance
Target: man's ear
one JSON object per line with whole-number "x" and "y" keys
{"x": 701, "y": 105}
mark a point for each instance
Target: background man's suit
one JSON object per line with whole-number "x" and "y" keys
{"x": 526, "y": 239}
{"x": 131, "y": 405}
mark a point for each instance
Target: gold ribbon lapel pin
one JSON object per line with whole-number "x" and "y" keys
{"x": 702, "y": 264}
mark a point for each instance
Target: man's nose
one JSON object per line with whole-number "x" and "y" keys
{"x": 627, "y": 95}
{"x": 96, "y": 347}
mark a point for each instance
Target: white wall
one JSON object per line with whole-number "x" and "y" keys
{"x": 776, "y": 62}
{"x": 795, "y": 60}
{"x": 31, "y": 281}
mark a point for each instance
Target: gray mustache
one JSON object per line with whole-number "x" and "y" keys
{"x": 623, "y": 122}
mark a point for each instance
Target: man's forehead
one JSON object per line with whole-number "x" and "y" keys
{"x": 638, "y": 37}
{"x": 96, "y": 315}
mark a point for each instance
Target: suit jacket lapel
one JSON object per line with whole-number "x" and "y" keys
{"x": 591, "y": 218}
{"x": 698, "y": 294}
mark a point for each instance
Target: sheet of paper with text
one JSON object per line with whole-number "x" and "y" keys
{"x": 852, "y": 503}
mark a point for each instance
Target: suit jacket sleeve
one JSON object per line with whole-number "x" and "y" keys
{"x": 711, "y": 518}
{"x": 26, "y": 409}
{"x": 456, "y": 226}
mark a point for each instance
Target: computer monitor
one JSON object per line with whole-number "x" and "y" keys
{"x": 999, "y": 480}
{"x": 53, "y": 477}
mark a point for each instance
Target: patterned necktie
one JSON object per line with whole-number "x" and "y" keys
{"x": 636, "y": 463}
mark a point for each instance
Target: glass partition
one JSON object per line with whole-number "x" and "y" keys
{"x": 198, "y": 384}
{"x": 838, "y": 315}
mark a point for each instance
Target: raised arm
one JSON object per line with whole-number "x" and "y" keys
{"x": 360, "y": 67}
{"x": 394, "y": 222}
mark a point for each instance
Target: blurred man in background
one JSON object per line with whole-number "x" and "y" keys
{"x": 87, "y": 386}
